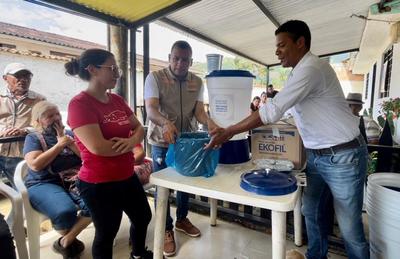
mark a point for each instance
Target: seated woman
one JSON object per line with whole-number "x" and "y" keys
{"x": 50, "y": 153}
{"x": 142, "y": 167}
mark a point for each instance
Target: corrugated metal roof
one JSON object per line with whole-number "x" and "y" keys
{"x": 130, "y": 11}
{"x": 240, "y": 26}
{"x": 243, "y": 26}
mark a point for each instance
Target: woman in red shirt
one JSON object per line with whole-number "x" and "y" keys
{"x": 106, "y": 130}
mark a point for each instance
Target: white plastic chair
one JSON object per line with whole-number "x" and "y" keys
{"x": 33, "y": 218}
{"x": 17, "y": 228}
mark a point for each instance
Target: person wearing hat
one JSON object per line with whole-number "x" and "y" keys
{"x": 355, "y": 102}
{"x": 16, "y": 102}
{"x": 369, "y": 128}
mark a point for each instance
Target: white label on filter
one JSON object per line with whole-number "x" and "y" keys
{"x": 222, "y": 107}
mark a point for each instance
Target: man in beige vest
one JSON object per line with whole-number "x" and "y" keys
{"x": 16, "y": 102}
{"x": 174, "y": 96}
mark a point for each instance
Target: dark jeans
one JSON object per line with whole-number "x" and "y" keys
{"x": 7, "y": 248}
{"x": 182, "y": 198}
{"x": 106, "y": 202}
{"x": 8, "y": 165}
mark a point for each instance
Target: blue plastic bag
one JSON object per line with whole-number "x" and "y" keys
{"x": 189, "y": 157}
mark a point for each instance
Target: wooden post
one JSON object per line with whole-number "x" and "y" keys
{"x": 118, "y": 40}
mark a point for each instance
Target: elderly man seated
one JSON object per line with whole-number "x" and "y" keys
{"x": 16, "y": 103}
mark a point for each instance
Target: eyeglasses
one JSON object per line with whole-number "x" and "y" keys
{"x": 113, "y": 68}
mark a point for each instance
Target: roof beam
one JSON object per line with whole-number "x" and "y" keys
{"x": 267, "y": 12}
{"x": 164, "y": 12}
{"x": 207, "y": 39}
{"x": 80, "y": 10}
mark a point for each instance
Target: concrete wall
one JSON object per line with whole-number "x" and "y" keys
{"x": 49, "y": 78}
{"x": 394, "y": 81}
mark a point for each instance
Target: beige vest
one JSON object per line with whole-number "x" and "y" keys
{"x": 177, "y": 103}
{"x": 16, "y": 113}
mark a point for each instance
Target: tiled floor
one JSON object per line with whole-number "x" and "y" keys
{"x": 225, "y": 241}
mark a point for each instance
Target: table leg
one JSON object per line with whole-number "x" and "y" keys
{"x": 161, "y": 213}
{"x": 278, "y": 219}
{"x": 298, "y": 230}
{"x": 213, "y": 211}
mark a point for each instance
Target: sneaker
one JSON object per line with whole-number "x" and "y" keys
{"x": 169, "y": 243}
{"x": 185, "y": 226}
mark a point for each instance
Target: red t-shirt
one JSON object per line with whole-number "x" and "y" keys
{"x": 113, "y": 119}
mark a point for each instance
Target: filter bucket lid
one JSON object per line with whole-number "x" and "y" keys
{"x": 230, "y": 73}
{"x": 268, "y": 182}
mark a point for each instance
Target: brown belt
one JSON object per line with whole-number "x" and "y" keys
{"x": 340, "y": 147}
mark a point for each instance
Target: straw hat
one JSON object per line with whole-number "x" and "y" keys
{"x": 354, "y": 98}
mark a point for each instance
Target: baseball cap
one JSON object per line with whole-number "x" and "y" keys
{"x": 13, "y": 68}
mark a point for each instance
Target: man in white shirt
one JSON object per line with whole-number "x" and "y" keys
{"x": 336, "y": 153}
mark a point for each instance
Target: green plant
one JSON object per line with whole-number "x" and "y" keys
{"x": 372, "y": 162}
{"x": 390, "y": 110}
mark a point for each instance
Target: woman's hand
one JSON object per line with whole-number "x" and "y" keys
{"x": 59, "y": 128}
{"x": 122, "y": 145}
{"x": 64, "y": 141}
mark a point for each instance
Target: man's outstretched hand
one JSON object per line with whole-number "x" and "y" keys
{"x": 218, "y": 137}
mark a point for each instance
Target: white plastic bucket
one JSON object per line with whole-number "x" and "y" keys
{"x": 383, "y": 215}
{"x": 229, "y": 95}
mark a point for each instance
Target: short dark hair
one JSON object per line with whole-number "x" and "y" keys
{"x": 296, "y": 29}
{"x": 270, "y": 85}
{"x": 181, "y": 44}
{"x": 88, "y": 57}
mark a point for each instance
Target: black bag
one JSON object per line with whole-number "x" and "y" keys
{"x": 67, "y": 166}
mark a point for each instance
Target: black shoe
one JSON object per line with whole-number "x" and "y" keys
{"x": 58, "y": 248}
{"x": 147, "y": 254}
{"x": 72, "y": 251}
{"x": 75, "y": 248}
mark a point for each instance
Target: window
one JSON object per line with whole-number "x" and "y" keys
{"x": 62, "y": 54}
{"x": 386, "y": 73}
{"x": 366, "y": 87}
{"x": 5, "y": 45}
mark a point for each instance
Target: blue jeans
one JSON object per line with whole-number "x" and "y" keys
{"x": 8, "y": 165}
{"x": 182, "y": 198}
{"x": 342, "y": 174}
{"x": 58, "y": 204}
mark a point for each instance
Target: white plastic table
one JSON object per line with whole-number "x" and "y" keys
{"x": 225, "y": 185}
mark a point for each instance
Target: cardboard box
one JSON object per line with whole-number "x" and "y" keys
{"x": 278, "y": 141}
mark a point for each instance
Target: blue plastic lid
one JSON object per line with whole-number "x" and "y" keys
{"x": 268, "y": 182}
{"x": 230, "y": 73}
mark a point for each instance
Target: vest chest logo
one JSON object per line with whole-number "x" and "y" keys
{"x": 116, "y": 117}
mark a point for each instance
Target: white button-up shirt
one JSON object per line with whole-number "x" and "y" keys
{"x": 317, "y": 103}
